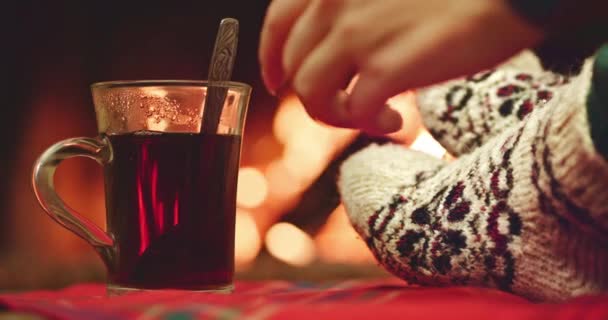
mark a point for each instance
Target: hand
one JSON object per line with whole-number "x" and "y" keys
{"x": 316, "y": 46}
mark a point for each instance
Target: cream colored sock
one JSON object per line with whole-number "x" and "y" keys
{"x": 525, "y": 212}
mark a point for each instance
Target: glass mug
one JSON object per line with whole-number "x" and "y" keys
{"x": 170, "y": 187}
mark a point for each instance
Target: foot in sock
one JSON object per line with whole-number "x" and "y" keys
{"x": 525, "y": 212}
{"x": 463, "y": 114}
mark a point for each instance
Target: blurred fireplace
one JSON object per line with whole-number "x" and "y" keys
{"x": 288, "y": 206}
{"x": 288, "y": 211}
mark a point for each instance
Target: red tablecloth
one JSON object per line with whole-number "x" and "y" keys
{"x": 283, "y": 300}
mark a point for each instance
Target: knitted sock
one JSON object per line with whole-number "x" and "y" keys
{"x": 463, "y": 114}
{"x": 526, "y": 212}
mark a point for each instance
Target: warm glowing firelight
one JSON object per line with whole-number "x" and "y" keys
{"x": 252, "y": 188}
{"x": 427, "y": 144}
{"x": 247, "y": 242}
{"x": 289, "y": 244}
{"x": 338, "y": 242}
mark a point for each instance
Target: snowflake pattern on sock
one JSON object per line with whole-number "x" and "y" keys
{"x": 525, "y": 212}
{"x": 465, "y": 113}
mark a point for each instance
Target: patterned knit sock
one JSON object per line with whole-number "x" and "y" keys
{"x": 465, "y": 113}
{"x": 526, "y": 212}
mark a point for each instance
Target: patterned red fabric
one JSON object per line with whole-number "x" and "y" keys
{"x": 283, "y": 300}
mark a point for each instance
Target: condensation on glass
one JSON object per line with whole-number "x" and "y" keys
{"x": 165, "y": 106}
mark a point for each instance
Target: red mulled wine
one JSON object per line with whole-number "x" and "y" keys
{"x": 171, "y": 201}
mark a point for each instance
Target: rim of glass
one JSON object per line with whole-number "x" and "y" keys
{"x": 175, "y": 83}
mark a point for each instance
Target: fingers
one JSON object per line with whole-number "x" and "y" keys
{"x": 309, "y": 30}
{"x": 367, "y": 105}
{"x": 391, "y": 70}
{"x": 332, "y": 66}
{"x": 320, "y": 81}
{"x": 280, "y": 17}
{"x": 295, "y": 45}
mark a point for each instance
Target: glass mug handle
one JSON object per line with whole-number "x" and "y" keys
{"x": 97, "y": 149}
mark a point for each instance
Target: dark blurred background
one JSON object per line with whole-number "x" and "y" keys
{"x": 53, "y": 51}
